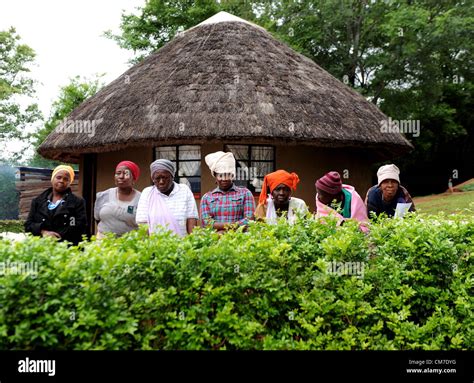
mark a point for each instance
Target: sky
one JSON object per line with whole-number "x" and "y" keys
{"x": 67, "y": 38}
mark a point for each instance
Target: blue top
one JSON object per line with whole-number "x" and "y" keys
{"x": 376, "y": 203}
{"x": 52, "y": 206}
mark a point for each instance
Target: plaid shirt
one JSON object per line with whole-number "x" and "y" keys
{"x": 234, "y": 206}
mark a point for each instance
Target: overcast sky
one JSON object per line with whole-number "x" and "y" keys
{"x": 67, "y": 38}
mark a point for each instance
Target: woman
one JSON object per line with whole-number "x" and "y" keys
{"x": 388, "y": 193}
{"x": 167, "y": 203}
{"x": 116, "y": 208}
{"x": 341, "y": 200}
{"x": 57, "y": 212}
{"x": 279, "y": 202}
{"x": 227, "y": 205}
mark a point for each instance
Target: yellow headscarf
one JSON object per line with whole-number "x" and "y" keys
{"x": 63, "y": 167}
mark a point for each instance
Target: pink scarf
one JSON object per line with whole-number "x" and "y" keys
{"x": 358, "y": 209}
{"x": 159, "y": 213}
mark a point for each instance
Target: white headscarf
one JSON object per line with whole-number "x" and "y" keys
{"x": 221, "y": 163}
{"x": 386, "y": 172}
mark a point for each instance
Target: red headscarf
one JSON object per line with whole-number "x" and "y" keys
{"x": 132, "y": 166}
{"x": 272, "y": 180}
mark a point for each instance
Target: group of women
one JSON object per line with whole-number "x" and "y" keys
{"x": 57, "y": 212}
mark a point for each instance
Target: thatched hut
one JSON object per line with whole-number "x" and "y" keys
{"x": 225, "y": 84}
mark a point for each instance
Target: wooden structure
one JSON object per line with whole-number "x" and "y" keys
{"x": 31, "y": 182}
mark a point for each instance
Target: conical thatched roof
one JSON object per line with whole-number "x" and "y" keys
{"x": 224, "y": 79}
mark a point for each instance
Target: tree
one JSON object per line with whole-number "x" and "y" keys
{"x": 411, "y": 58}
{"x": 160, "y": 20}
{"x": 70, "y": 96}
{"x": 15, "y": 87}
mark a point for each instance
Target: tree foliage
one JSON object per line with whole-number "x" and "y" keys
{"x": 16, "y": 87}
{"x": 70, "y": 96}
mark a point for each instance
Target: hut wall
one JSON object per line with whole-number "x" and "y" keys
{"x": 308, "y": 162}
{"x": 207, "y": 180}
{"x": 106, "y": 163}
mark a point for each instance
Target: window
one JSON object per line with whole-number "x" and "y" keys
{"x": 253, "y": 163}
{"x": 187, "y": 159}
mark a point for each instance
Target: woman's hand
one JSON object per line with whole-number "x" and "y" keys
{"x": 47, "y": 233}
{"x": 191, "y": 223}
{"x": 219, "y": 226}
{"x": 224, "y": 226}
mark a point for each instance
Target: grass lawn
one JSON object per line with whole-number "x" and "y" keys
{"x": 446, "y": 202}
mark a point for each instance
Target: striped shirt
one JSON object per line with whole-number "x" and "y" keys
{"x": 181, "y": 203}
{"x": 234, "y": 206}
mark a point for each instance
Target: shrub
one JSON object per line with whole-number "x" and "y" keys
{"x": 12, "y": 225}
{"x": 270, "y": 287}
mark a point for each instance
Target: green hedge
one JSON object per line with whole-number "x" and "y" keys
{"x": 267, "y": 288}
{"x": 12, "y": 225}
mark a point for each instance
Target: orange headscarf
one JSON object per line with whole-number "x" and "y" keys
{"x": 272, "y": 180}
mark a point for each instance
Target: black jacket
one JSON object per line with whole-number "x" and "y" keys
{"x": 68, "y": 219}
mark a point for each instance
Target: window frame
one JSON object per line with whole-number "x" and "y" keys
{"x": 249, "y": 159}
{"x": 177, "y": 177}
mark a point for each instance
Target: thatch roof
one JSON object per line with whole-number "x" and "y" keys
{"x": 224, "y": 80}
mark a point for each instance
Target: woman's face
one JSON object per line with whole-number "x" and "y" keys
{"x": 281, "y": 194}
{"x": 162, "y": 180}
{"x": 326, "y": 198}
{"x": 61, "y": 181}
{"x": 224, "y": 180}
{"x": 389, "y": 189}
{"x": 123, "y": 177}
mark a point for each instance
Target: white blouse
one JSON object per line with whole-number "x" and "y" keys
{"x": 114, "y": 215}
{"x": 181, "y": 203}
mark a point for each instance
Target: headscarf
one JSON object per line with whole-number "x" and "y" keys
{"x": 163, "y": 164}
{"x": 388, "y": 172}
{"x": 272, "y": 180}
{"x": 330, "y": 183}
{"x": 59, "y": 168}
{"x": 221, "y": 163}
{"x": 132, "y": 166}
